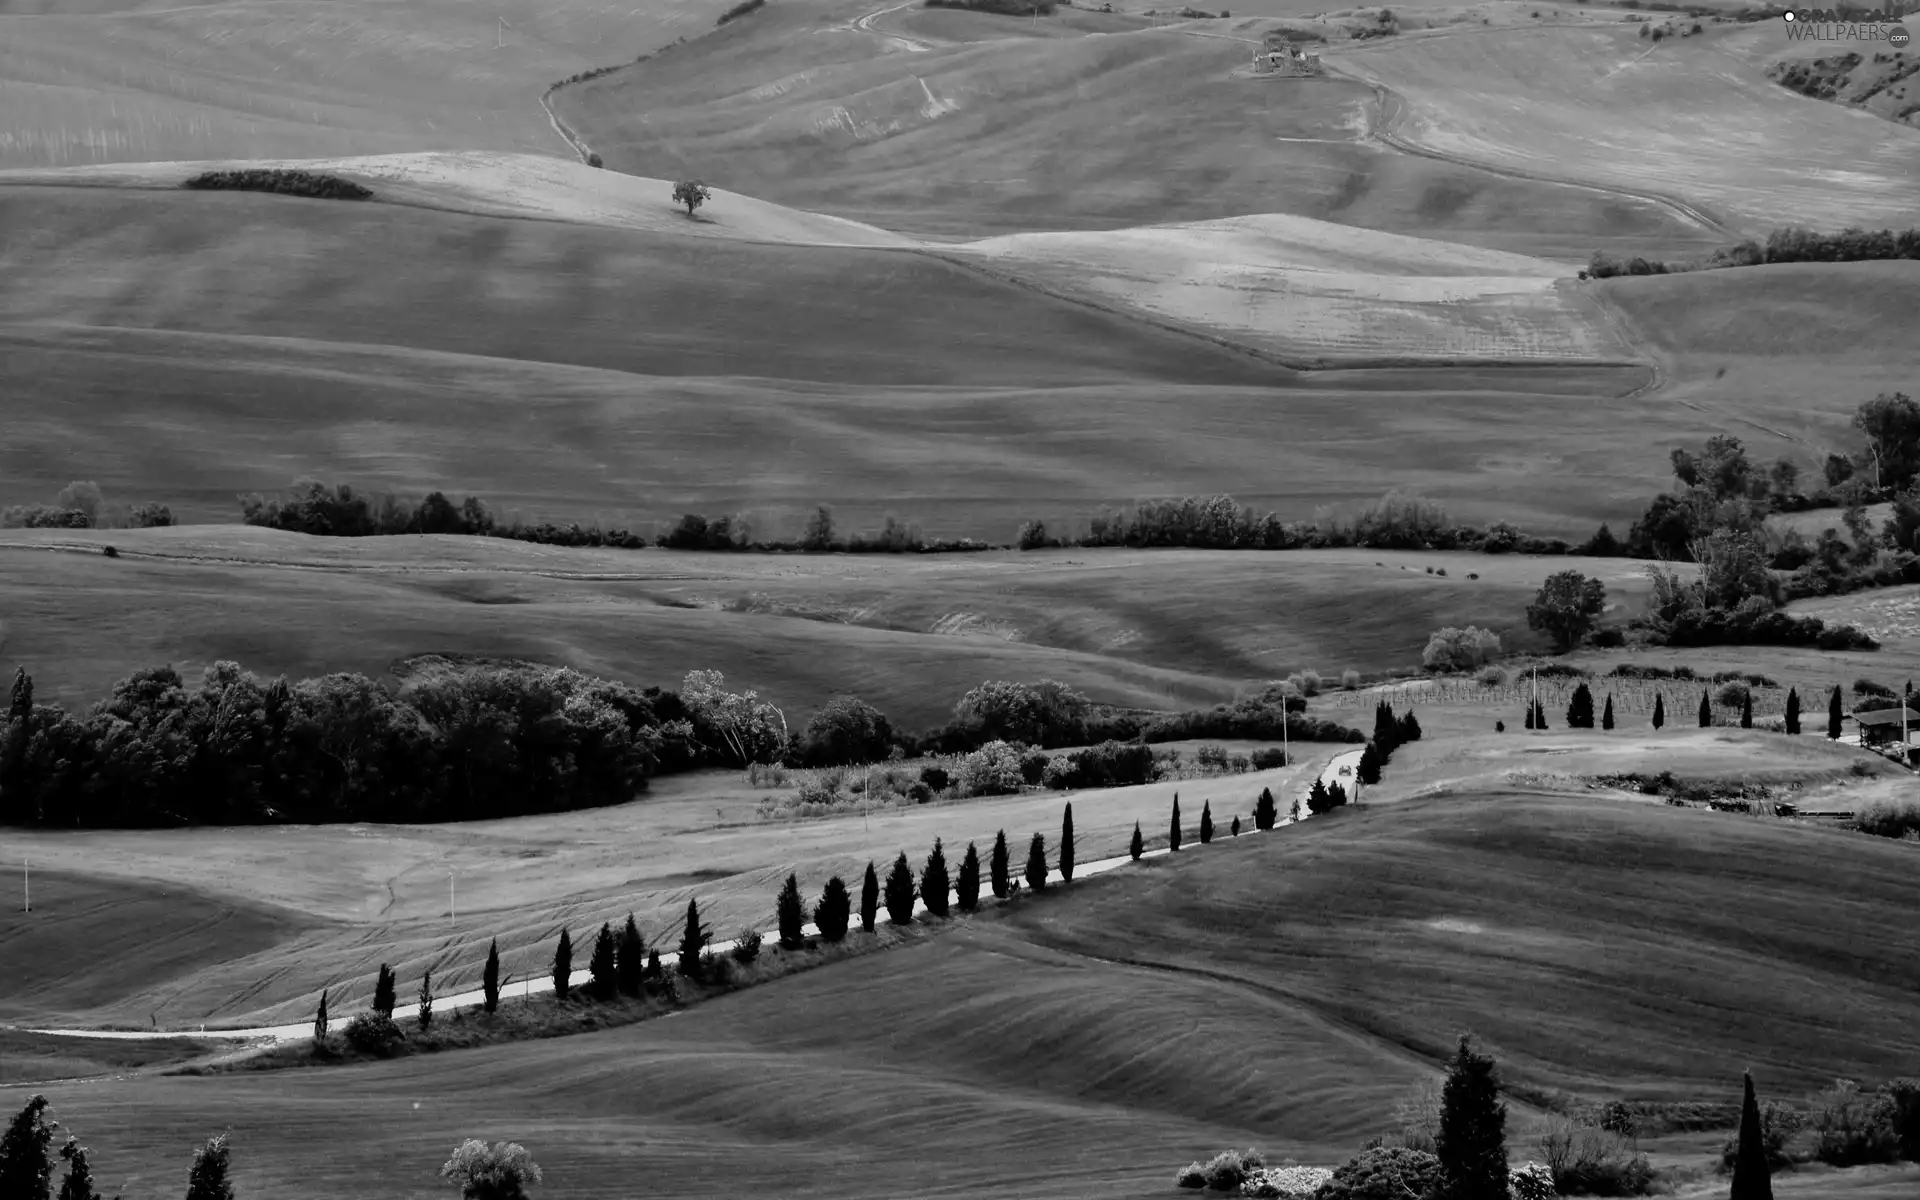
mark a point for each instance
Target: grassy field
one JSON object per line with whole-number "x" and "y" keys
{"x": 908, "y": 633}
{"x": 1281, "y": 992}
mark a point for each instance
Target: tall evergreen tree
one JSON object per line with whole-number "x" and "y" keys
{"x": 834, "y": 912}
{"x": 791, "y": 914}
{"x": 426, "y": 999}
{"x": 78, "y": 1185}
{"x": 899, "y": 892}
{"x": 383, "y": 991}
{"x": 1001, "y": 876}
{"x": 563, "y": 967}
{"x": 1234, "y": 829}
{"x": 1706, "y": 711}
{"x": 1752, "y": 1177}
{"x": 935, "y": 884}
{"x": 1206, "y": 821}
{"x": 490, "y": 979}
{"x": 1319, "y": 799}
{"x": 1264, "y": 813}
{"x": 320, "y": 1022}
{"x": 207, "y": 1180}
{"x": 631, "y": 964}
{"x": 693, "y": 943}
{"x": 1472, "y": 1139}
{"x": 1833, "y": 714}
{"x": 1528, "y": 719}
{"x": 1539, "y": 715}
{"x": 603, "y": 965}
{"x": 1580, "y": 708}
{"x": 1659, "y": 709}
{"x": 1369, "y": 769}
{"x": 1793, "y": 710}
{"x": 1746, "y": 712}
{"x": 1408, "y": 729}
{"x": 1066, "y": 845}
{"x": 869, "y": 898}
{"x": 1606, "y": 718}
{"x": 1384, "y": 726}
{"x": 1037, "y": 863}
{"x": 26, "y": 1151}
{"x": 1336, "y": 794}
{"x": 966, "y": 886}
{"x": 1138, "y": 845}
{"x": 20, "y": 705}
{"x": 1173, "y": 831}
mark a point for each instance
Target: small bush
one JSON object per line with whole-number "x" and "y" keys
{"x": 1193, "y": 1175}
{"x": 110, "y": 551}
{"x": 919, "y": 793}
{"x": 285, "y": 182}
{"x": 1267, "y": 758}
{"x": 1490, "y": 677}
{"x": 746, "y": 947}
{"x": 374, "y": 1033}
{"x": 593, "y": 158}
{"x": 1532, "y": 1181}
{"x": 935, "y": 778}
{"x": 1384, "y": 1173}
{"x": 1459, "y": 648}
{"x": 1733, "y": 695}
{"x": 1851, "y": 1127}
{"x": 1585, "y": 1159}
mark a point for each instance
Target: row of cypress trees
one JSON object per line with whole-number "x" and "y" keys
{"x": 1580, "y": 711}
{"x": 27, "y": 1162}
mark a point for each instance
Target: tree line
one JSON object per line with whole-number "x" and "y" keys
{"x": 1786, "y": 245}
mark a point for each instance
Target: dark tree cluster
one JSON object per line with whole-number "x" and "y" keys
{"x": 313, "y": 507}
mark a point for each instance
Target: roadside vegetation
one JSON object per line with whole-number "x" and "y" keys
{"x": 286, "y": 182}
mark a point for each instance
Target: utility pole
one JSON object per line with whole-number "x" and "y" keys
{"x": 26, "y": 882}
{"x": 450, "y": 917}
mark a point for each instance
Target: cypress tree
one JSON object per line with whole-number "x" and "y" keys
{"x": 320, "y": 1022}
{"x": 1264, "y": 812}
{"x": 20, "y": 705}
{"x": 1529, "y": 716}
{"x": 208, "y": 1178}
{"x": 1752, "y": 1178}
{"x": 1539, "y": 715}
{"x": 934, "y": 881}
{"x": 1137, "y": 846}
{"x": 563, "y": 967}
{"x": 899, "y": 892}
{"x": 1746, "y": 712}
{"x": 1659, "y": 709}
{"x": 1336, "y": 794}
{"x": 1319, "y": 800}
{"x": 490, "y": 979}
{"x": 1606, "y": 718}
{"x": 1384, "y": 726}
{"x": 1706, "y": 711}
{"x": 869, "y": 898}
{"x": 603, "y": 963}
{"x": 383, "y": 989}
{"x": 78, "y": 1185}
{"x": 631, "y": 965}
{"x": 1793, "y": 710}
{"x": 1408, "y": 730}
{"x": 1580, "y": 709}
{"x": 790, "y": 913}
{"x": 835, "y": 911}
{"x": 1833, "y": 714}
{"x": 693, "y": 942}
{"x": 1001, "y": 869}
{"x": 1173, "y": 832}
{"x": 655, "y": 972}
{"x": 966, "y": 886}
{"x": 426, "y": 999}
{"x": 1066, "y": 845}
{"x": 1206, "y": 821}
{"x": 26, "y": 1156}
{"x": 1037, "y": 863}
{"x": 1472, "y": 1140}
{"x": 1234, "y": 829}
{"x": 1369, "y": 765}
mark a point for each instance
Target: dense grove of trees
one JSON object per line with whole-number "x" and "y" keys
{"x": 81, "y": 505}
{"x": 276, "y": 179}
{"x": 1782, "y": 246}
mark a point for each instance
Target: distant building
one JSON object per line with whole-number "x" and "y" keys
{"x": 1884, "y": 725}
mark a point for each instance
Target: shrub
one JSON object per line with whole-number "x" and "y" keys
{"x": 1532, "y": 1181}
{"x": 1228, "y": 1169}
{"x": 1193, "y": 1175}
{"x": 1780, "y": 1123}
{"x": 1033, "y": 766}
{"x": 1733, "y": 695}
{"x": 992, "y": 770}
{"x": 746, "y": 946}
{"x": 374, "y": 1033}
{"x": 1851, "y": 1127}
{"x": 935, "y": 778}
{"x": 149, "y": 516}
{"x": 1385, "y": 1173}
{"x": 286, "y": 182}
{"x": 499, "y": 1172}
{"x": 1585, "y": 1159}
{"x": 1267, "y": 757}
{"x": 207, "y": 1179}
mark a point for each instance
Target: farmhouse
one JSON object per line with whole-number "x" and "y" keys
{"x": 1885, "y": 725}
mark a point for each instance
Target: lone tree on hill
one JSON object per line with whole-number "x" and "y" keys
{"x": 834, "y": 911}
{"x": 1037, "y": 863}
{"x": 693, "y": 942}
{"x": 78, "y": 1185}
{"x": 631, "y": 967}
{"x": 692, "y": 193}
{"x": 207, "y": 1180}
{"x": 1137, "y": 846}
{"x": 1234, "y": 829}
{"x": 1173, "y": 831}
{"x": 1001, "y": 876}
{"x": 1369, "y": 768}
{"x": 1066, "y": 845}
{"x": 1565, "y": 608}
{"x": 320, "y": 1022}
{"x": 1580, "y": 709}
{"x": 966, "y": 885}
{"x": 935, "y": 883}
{"x": 490, "y": 979}
{"x": 563, "y": 966}
{"x": 1752, "y": 1178}
{"x": 1833, "y": 714}
{"x": 1659, "y": 709}
{"x": 899, "y": 892}
{"x": 383, "y": 989}
{"x": 1264, "y": 813}
{"x": 1472, "y": 1139}
{"x": 603, "y": 964}
{"x": 426, "y": 999}
{"x": 1206, "y": 821}
{"x": 790, "y": 914}
{"x": 1746, "y": 711}
{"x": 26, "y": 1158}
{"x": 1706, "y": 711}
{"x": 869, "y": 898}
{"x": 1606, "y": 717}
{"x": 1793, "y": 710}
